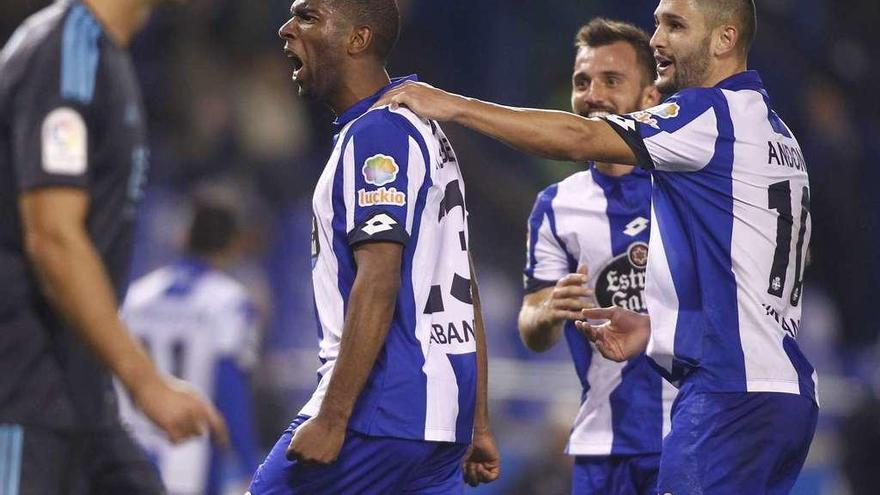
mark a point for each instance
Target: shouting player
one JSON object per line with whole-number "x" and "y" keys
{"x": 730, "y": 228}
{"x": 402, "y": 389}
{"x": 73, "y": 159}
{"x": 599, "y": 218}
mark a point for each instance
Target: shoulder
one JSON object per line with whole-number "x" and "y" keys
{"x": 391, "y": 123}
{"x": 148, "y": 287}
{"x": 35, "y": 44}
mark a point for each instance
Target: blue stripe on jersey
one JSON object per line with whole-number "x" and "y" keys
{"x": 412, "y": 389}
{"x": 551, "y": 219}
{"x": 465, "y": 368}
{"x": 544, "y": 209}
{"x": 717, "y": 346}
{"x": 636, "y": 403}
{"x": 79, "y": 55}
{"x": 802, "y": 366}
{"x": 581, "y": 354}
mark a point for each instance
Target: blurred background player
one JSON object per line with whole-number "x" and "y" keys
{"x": 729, "y": 233}
{"x": 72, "y": 161}
{"x": 402, "y": 391}
{"x": 199, "y": 325}
{"x": 599, "y": 219}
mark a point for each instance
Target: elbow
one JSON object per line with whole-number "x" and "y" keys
{"x": 531, "y": 336}
{"x": 44, "y": 245}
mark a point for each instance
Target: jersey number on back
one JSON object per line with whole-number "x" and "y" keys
{"x": 780, "y": 200}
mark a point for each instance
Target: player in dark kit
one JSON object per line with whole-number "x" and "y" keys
{"x": 73, "y": 159}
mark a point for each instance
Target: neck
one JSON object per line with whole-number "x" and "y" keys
{"x": 725, "y": 69}
{"x": 358, "y": 85}
{"x": 613, "y": 169}
{"x": 121, "y": 19}
{"x": 217, "y": 261}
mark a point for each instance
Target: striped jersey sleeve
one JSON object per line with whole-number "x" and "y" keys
{"x": 677, "y": 136}
{"x": 547, "y": 258}
{"x": 382, "y": 153}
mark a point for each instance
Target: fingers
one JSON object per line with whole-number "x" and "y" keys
{"x": 583, "y": 270}
{"x": 572, "y": 279}
{"x": 591, "y": 332}
{"x": 599, "y": 313}
{"x": 217, "y": 426}
{"x": 571, "y": 291}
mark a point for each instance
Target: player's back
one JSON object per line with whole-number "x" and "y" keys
{"x": 728, "y": 247}
{"x": 394, "y": 178}
{"x": 70, "y": 116}
{"x": 189, "y": 317}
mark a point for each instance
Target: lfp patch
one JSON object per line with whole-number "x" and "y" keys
{"x": 64, "y": 142}
{"x": 666, "y": 111}
{"x": 380, "y": 170}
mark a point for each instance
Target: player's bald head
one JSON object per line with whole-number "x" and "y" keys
{"x": 382, "y": 16}
{"x": 739, "y": 13}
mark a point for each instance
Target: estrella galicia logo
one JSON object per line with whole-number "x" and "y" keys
{"x": 622, "y": 282}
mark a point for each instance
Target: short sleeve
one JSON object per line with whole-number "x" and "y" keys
{"x": 52, "y": 131}
{"x": 680, "y": 135}
{"x": 386, "y": 163}
{"x": 547, "y": 259}
{"x": 237, "y": 332}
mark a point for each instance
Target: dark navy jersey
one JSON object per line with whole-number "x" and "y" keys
{"x": 70, "y": 116}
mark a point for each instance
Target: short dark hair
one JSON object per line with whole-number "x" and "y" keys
{"x": 212, "y": 230}
{"x": 741, "y": 13}
{"x": 383, "y": 16}
{"x": 602, "y": 32}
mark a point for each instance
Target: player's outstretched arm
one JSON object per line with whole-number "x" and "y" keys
{"x": 482, "y": 464}
{"x": 370, "y": 310}
{"x": 624, "y": 336}
{"x": 544, "y": 312}
{"x": 76, "y": 284}
{"x": 546, "y": 133}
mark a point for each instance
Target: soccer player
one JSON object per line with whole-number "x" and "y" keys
{"x": 73, "y": 158}
{"x": 199, "y": 325}
{"x": 730, "y": 228}
{"x": 599, "y": 218}
{"x": 402, "y": 390}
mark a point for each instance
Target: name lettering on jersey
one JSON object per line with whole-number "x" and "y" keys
{"x": 381, "y": 196}
{"x": 784, "y": 155}
{"x": 636, "y": 227}
{"x": 380, "y": 170}
{"x": 788, "y": 325}
{"x": 65, "y": 142}
{"x": 625, "y": 123}
{"x": 622, "y": 282}
{"x": 446, "y": 153}
{"x": 450, "y": 334}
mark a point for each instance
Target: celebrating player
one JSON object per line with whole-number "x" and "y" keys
{"x": 199, "y": 325}
{"x": 599, "y": 219}
{"x": 73, "y": 157}
{"x": 402, "y": 389}
{"x": 730, "y": 228}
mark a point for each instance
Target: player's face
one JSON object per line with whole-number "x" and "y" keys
{"x": 315, "y": 44}
{"x": 681, "y": 45}
{"x": 607, "y": 79}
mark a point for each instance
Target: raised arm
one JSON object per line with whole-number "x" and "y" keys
{"x": 75, "y": 283}
{"x": 370, "y": 310}
{"x": 546, "y": 133}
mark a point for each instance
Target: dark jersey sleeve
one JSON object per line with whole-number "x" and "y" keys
{"x": 51, "y": 123}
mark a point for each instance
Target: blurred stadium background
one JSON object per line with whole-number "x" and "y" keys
{"x": 225, "y": 120}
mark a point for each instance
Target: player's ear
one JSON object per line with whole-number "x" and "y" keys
{"x": 725, "y": 38}
{"x": 650, "y": 96}
{"x": 360, "y": 40}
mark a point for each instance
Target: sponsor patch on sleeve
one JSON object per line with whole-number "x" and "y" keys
{"x": 380, "y": 170}
{"x": 64, "y": 142}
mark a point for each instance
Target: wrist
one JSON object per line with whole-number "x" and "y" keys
{"x": 333, "y": 417}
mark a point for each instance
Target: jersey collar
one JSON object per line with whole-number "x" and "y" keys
{"x": 362, "y": 106}
{"x": 744, "y": 80}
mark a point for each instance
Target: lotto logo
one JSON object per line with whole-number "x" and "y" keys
{"x": 636, "y": 227}
{"x": 379, "y": 223}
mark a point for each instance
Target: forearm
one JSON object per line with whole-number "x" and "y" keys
{"x": 75, "y": 283}
{"x": 481, "y": 414}
{"x": 547, "y": 133}
{"x": 538, "y": 329}
{"x": 371, "y": 307}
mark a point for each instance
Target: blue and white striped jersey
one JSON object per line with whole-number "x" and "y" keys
{"x": 196, "y": 323}
{"x": 393, "y": 177}
{"x": 729, "y": 236}
{"x": 602, "y": 222}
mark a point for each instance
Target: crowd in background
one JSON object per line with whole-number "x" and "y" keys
{"x": 225, "y": 120}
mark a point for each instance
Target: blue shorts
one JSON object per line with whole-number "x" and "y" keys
{"x": 736, "y": 443}
{"x": 366, "y": 465}
{"x": 616, "y": 474}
